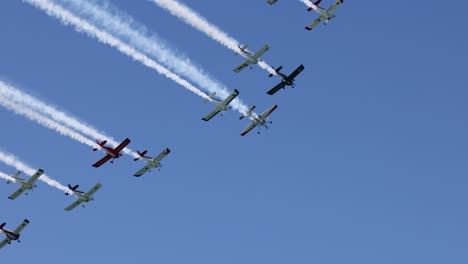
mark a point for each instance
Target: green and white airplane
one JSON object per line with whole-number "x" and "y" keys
{"x": 82, "y": 196}
{"x": 26, "y": 185}
{"x": 325, "y": 15}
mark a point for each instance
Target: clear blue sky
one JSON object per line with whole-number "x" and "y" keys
{"x": 365, "y": 161}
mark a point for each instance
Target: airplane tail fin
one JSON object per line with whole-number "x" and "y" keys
{"x": 97, "y": 142}
{"x": 277, "y": 70}
{"x": 211, "y": 95}
{"x": 316, "y": 3}
{"x": 72, "y": 188}
{"x": 100, "y": 144}
{"x": 2, "y": 226}
{"x": 248, "y": 112}
{"x": 141, "y": 154}
{"x": 243, "y": 48}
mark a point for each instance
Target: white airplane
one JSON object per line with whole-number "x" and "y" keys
{"x": 82, "y": 197}
{"x": 220, "y": 105}
{"x": 326, "y": 15}
{"x": 251, "y": 58}
{"x": 257, "y": 120}
{"x": 25, "y": 184}
{"x": 12, "y": 235}
{"x": 150, "y": 162}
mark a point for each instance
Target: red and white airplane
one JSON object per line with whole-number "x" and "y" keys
{"x": 112, "y": 153}
{"x": 12, "y": 235}
{"x": 151, "y": 162}
{"x": 257, "y": 120}
{"x": 325, "y": 14}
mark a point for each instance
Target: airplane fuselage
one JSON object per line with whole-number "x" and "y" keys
{"x": 249, "y": 57}
{"x": 110, "y": 151}
{"x": 326, "y": 15}
{"x": 221, "y": 106}
{"x": 23, "y": 183}
{"x": 10, "y": 234}
{"x": 259, "y": 121}
{"x": 151, "y": 162}
{"x": 82, "y": 196}
{"x": 285, "y": 79}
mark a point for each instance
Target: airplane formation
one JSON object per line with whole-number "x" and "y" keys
{"x": 221, "y": 106}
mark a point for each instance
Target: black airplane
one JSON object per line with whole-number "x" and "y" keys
{"x": 285, "y": 80}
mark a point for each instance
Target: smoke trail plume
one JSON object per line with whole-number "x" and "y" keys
{"x": 46, "y": 122}
{"x": 67, "y": 18}
{"x": 18, "y": 99}
{"x": 6, "y": 177}
{"x": 13, "y": 161}
{"x": 123, "y": 27}
{"x": 200, "y": 23}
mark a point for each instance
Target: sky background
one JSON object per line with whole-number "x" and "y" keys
{"x": 365, "y": 161}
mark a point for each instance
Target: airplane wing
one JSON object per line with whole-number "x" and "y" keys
{"x": 155, "y": 161}
{"x": 242, "y": 66}
{"x": 4, "y": 242}
{"x": 296, "y": 72}
{"x": 161, "y": 155}
{"x": 102, "y": 161}
{"x": 143, "y": 170}
{"x": 251, "y": 126}
{"x": 24, "y": 187}
{"x": 334, "y": 6}
{"x": 74, "y": 205}
{"x": 211, "y": 114}
{"x": 261, "y": 52}
{"x": 268, "y": 112}
{"x": 122, "y": 145}
{"x": 271, "y": 1}
{"x": 21, "y": 226}
{"x": 315, "y": 23}
{"x": 93, "y": 190}
{"x": 15, "y": 195}
{"x": 231, "y": 97}
{"x": 276, "y": 88}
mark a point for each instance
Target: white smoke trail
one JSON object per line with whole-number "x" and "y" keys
{"x": 6, "y": 177}
{"x": 67, "y": 18}
{"x": 13, "y": 161}
{"x": 19, "y": 99}
{"x": 46, "y": 122}
{"x": 124, "y": 28}
{"x": 200, "y": 23}
{"x": 309, "y": 4}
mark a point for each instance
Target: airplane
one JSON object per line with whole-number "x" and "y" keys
{"x": 326, "y": 15}
{"x": 25, "y": 184}
{"x": 82, "y": 197}
{"x": 251, "y": 58}
{"x": 257, "y": 120}
{"x": 12, "y": 235}
{"x": 150, "y": 162}
{"x": 271, "y": 1}
{"x": 111, "y": 153}
{"x": 285, "y": 80}
{"x": 220, "y": 105}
